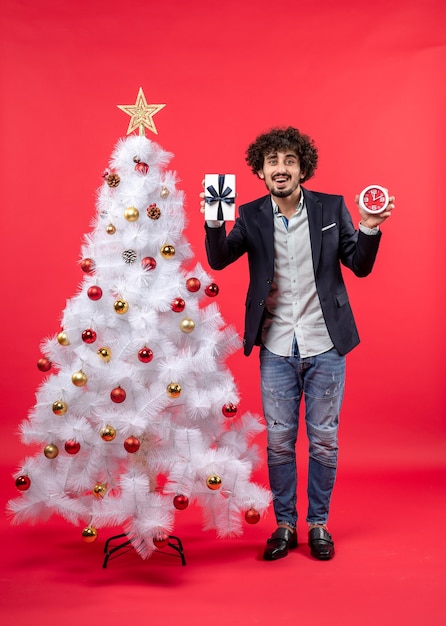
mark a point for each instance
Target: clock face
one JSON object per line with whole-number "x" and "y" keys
{"x": 374, "y": 199}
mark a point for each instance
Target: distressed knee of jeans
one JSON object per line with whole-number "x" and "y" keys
{"x": 280, "y": 457}
{"x": 281, "y": 446}
{"x": 324, "y": 456}
{"x": 324, "y": 447}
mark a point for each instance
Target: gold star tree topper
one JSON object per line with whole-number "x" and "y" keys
{"x": 141, "y": 114}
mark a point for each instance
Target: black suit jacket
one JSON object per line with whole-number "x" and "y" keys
{"x": 334, "y": 240}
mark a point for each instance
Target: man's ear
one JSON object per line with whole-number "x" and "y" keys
{"x": 260, "y": 174}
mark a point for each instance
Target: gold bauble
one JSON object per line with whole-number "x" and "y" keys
{"x": 89, "y": 534}
{"x": 105, "y": 354}
{"x": 51, "y": 451}
{"x": 164, "y": 192}
{"x": 131, "y": 214}
{"x": 213, "y": 482}
{"x": 121, "y": 306}
{"x": 62, "y": 338}
{"x": 79, "y": 379}
{"x": 99, "y": 490}
{"x": 60, "y": 407}
{"x": 187, "y": 325}
{"x": 108, "y": 433}
{"x": 173, "y": 390}
{"x": 168, "y": 251}
{"x": 111, "y": 229}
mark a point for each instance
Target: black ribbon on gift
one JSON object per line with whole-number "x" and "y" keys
{"x": 221, "y": 196}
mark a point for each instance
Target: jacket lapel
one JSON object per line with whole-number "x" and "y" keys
{"x": 314, "y": 212}
{"x": 265, "y": 220}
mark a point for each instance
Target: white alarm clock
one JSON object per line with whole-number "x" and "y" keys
{"x": 374, "y": 199}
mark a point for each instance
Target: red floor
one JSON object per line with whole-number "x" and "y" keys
{"x": 389, "y": 567}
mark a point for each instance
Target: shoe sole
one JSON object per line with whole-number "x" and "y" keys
{"x": 320, "y": 557}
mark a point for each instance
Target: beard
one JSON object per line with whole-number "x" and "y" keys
{"x": 281, "y": 193}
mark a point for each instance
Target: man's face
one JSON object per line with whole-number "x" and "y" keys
{"x": 281, "y": 173}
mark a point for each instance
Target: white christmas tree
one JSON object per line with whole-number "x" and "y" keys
{"x": 138, "y": 415}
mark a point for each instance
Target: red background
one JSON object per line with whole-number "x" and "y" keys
{"x": 365, "y": 80}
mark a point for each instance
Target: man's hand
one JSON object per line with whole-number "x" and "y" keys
{"x": 371, "y": 221}
{"x": 202, "y": 196}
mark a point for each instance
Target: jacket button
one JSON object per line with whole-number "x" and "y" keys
{"x": 262, "y": 302}
{"x": 269, "y": 281}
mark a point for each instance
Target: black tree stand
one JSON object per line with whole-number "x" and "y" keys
{"x": 110, "y": 549}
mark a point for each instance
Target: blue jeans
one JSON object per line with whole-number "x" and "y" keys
{"x": 320, "y": 379}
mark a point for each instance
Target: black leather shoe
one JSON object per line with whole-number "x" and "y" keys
{"x": 282, "y": 540}
{"x": 321, "y": 544}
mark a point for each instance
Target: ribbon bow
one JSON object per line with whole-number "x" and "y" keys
{"x": 219, "y": 197}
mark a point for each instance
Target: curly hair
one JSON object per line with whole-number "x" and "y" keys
{"x": 280, "y": 140}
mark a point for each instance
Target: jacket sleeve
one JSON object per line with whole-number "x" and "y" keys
{"x": 357, "y": 251}
{"x": 222, "y": 249}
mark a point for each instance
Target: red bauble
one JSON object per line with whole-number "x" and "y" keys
{"x": 118, "y": 395}
{"x": 89, "y": 336}
{"x": 181, "y": 502}
{"x": 94, "y": 292}
{"x": 141, "y": 167}
{"x": 72, "y": 447}
{"x": 44, "y": 364}
{"x": 178, "y": 305}
{"x": 193, "y": 284}
{"x": 131, "y": 444}
{"x": 229, "y": 410}
{"x": 23, "y": 483}
{"x": 145, "y": 355}
{"x": 252, "y": 516}
{"x": 87, "y": 265}
{"x": 161, "y": 540}
{"x": 212, "y": 290}
{"x": 148, "y": 263}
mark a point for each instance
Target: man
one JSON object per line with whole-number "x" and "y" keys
{"x": 297, "y": 310}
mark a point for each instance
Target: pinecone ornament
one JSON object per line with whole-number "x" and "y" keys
{"x": 129, "y": 256}
{"x": 153, "y": 212}
{"x": 113, "y": 180}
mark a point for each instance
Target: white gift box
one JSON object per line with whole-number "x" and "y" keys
{"x": 219, "y": 192}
